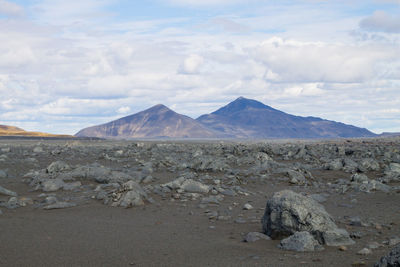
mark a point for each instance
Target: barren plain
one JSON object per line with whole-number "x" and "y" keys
{"x": 194, "y": 203}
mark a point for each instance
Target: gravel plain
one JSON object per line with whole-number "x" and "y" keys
{"x": 67, "y": 202}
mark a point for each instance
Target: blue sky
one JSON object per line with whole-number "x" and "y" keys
{"x": 67, "y": 65}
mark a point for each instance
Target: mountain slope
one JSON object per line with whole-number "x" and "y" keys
{"x": 157, "y": 121}
{"x": 6, "y": 130}
{"x": 246, "y": 118}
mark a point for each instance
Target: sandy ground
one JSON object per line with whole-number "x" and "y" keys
{"x": 175, "y": 233}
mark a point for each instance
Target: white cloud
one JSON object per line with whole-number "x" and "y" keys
{"x": 123, "y": 110}
{"x": 10, "y": 9}
{"x": 319, "y": 62}
{"x": 191, "y": 64}
{"x": 380, "y": 21}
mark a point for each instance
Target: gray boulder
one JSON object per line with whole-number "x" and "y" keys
{"x": 392, "y": 259}
{"x": 130, "y": 194}
{"x": 38, "y": 149}
{"x": 300, "y": 241}
{"x": 3, "y": 174}
{"x": 52, "y": 185}
{"x": 57, "y": 166}
{"x": 369, "y": 164}
{"x": 296, "y": 177}
{"x": 392, "y": 172}
{"x": 288, "y": 212}
{"x": 194, "y": 187}
{"x": 7, "y": 192}
{"x": 359, "y": 178}
{"x": 335, "y": 165}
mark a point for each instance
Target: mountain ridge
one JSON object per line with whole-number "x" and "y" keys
{"x": 156, "y": 122}
{"x": 241, "y": 118}
{"x": 247, "y": 118}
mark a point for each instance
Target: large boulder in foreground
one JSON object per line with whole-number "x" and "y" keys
{"x": 390, "y": 260}
{"x": 288, "y": 212}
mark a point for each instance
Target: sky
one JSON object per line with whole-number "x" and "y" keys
{"x": 67, "y": 65}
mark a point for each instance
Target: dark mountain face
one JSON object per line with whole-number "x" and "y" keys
{"x": 246, "y": 118}
{"x": 158, "y": 121}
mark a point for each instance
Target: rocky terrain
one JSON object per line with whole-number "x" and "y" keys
{"x": 203, "y": 203}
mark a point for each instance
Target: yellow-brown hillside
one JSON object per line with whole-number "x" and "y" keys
{"x": 6, "y": 130}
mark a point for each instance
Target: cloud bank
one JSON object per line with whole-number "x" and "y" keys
{"x": 83, "y": 63}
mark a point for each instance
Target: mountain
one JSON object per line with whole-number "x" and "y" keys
{"x": 6, "y": 130}
{"x": 155, "y": 122}
{"x": 246, "y": 118}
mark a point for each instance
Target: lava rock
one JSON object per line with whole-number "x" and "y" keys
{"x": 392, "y": 259}
{"x": 300, "y": 241}
{"x": 255, "y": 236}
{"x": 7, "y": 192}
{"x": 288, "y": 212}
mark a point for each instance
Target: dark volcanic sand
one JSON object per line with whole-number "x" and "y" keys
{"x": 175, "y": 233}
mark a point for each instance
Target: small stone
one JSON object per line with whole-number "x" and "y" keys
{"x": 59, "y": 205}
{"x": 211, "y": 200}
{"x": 240, "y": 221}
{"x": 247, "y": 206}
{"x": 342, "y": 248}
{"x": 356, "y": 235}
{"x": 355, "y": 221}
{"x": 364, "y": 251}
{"x": 254, "y": 236}
{"x": 358, "y": 263}
{"x": 38, "y": 149}
{"x": 24, "y": 201}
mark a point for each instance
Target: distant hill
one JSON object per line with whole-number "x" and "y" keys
{"x": 386, "y": 134}
{"x": 155, "y": 122}
{"x": 246, "y": 118}
{"x": 6, "y": 130}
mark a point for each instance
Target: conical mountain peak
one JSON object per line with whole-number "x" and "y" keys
{"x": 241, "y": 104}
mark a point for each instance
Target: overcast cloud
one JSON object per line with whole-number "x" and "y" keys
{"x": 66, "y": 65}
